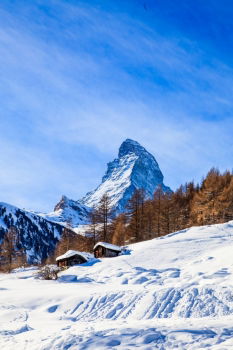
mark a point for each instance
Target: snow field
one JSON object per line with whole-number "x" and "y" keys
{"x": 174, "y": 292}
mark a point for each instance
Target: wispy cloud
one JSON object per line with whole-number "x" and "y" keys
{"x": 77, "y": 78}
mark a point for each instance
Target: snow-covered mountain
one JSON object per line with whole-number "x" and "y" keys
{"x": 134, "y": 168}
{"x": 37, "y": 235}
{"x": 173, "y": 292}
{"x": 68, "y": 211}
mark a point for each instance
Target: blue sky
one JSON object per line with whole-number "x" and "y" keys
{"x": 79, "y": 77}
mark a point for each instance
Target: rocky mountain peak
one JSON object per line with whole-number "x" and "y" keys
{"x": 64, "y": 201}
{"x": 130, "y": 146}
{"x": 134, "y": 168}
{"x": 69, "y": 211}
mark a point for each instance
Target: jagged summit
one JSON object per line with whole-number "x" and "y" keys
{"x": 130, "y": 146}
{"x": 134, "y": 168}
{"x": 69, "y": 211}
{"x": 63, "y": 203}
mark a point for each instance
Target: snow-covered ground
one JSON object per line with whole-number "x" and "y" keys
{"x": 175, "y": 292}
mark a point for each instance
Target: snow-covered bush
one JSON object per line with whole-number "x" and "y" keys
{"x": 48, "y": 272}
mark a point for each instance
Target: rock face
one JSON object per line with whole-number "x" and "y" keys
{"x": 37, "y": 235}
{"x": 134, "y": 168}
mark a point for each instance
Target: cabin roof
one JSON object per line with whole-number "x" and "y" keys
{"x": 108, "y": 246}
{"x": 70, "y": 253}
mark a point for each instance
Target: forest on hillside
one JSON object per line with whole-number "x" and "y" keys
{"x": 210, "y": 202}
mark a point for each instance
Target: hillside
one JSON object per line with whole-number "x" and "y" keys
{"x": 174, "y": 292}
{"x": 37, "y": 235}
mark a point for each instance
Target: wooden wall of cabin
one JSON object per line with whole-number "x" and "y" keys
{"x": 101, "y": 252}
{"x": 74, "y": 260}
{"x": 111, "y": 253}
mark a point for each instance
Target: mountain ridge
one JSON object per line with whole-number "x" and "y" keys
{"x": 68, "y": 211}
{"x": 37, "y": 235}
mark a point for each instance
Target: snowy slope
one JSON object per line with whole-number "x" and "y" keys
{"x": 134, "y": 168}
{"x": 69, "y": 211}
{"x": 174, "y": 292}
{"x": 116, "y": 183}
{"x": 37, "y": 235}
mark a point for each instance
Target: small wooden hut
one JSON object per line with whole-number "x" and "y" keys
{"x": 106, "y": 250}
{"x": 73, "y": 257}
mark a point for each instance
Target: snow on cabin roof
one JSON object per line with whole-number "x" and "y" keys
{"x": 70, "y": 253}
{"x": 108, "y": 246}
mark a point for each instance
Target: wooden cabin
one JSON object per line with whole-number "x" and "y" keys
{"x": 73, "y": 257}
{"x": 106, "y": 250}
